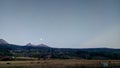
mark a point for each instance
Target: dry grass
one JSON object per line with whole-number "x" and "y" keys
{"x": 71, "y": 63}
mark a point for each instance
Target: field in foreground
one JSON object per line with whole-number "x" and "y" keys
{"x": 71, "y": 63}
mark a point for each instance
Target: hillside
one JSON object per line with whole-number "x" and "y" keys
{"x": 44, "y": 51}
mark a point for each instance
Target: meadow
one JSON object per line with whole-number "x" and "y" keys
{"x": 64, "y": 63}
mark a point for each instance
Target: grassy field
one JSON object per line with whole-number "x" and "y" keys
{"x": 67, "y": 63}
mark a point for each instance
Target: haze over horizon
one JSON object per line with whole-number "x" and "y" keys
{"x": 61, "y": 23}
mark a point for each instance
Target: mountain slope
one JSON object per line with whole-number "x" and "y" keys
{"x": 2, "y": 41}
{"x": 42, "y": 50}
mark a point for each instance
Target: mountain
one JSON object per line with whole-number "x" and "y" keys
{"x": 29, "y": 44}
{"x": 42, "y": 45}
{"x": 42, "y": 50}
{"x": 39, "y": 45}
{"x": 2, "y": 41}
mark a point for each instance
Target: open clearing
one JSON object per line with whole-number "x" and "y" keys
{"x": 67, "y": 63}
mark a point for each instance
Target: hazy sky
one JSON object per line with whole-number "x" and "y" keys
{"x": 61, "y": 23}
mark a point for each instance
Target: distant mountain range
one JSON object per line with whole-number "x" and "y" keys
{"x": 42, "y": 51}
{"x": 39, "y": 45}
{"x": 3, "y": 42}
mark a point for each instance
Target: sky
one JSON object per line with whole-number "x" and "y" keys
{"x": 61, "y": 23}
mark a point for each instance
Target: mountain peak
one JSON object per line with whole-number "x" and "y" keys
{"x": 39, "y": 45}
{"x": 42, "y": 45}
{"x": 29, "y": 44}
{"x": 2, "y": 41}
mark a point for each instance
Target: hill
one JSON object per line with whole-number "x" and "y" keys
{"x": 44, "y": 51}
{"x": 2, "y": 41}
